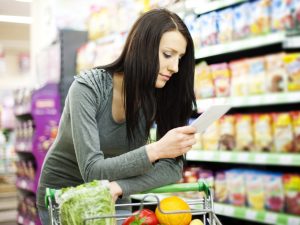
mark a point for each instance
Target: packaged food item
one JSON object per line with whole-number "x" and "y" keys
{"x": 239, "y": 77}
{"x": 296, "y": 129}
{"x": 255, "y": 189}
{"x": 274, "y": 193}
{"x": 283, "y": 132}
{"x": 276, "y": 73}
{"x": 291, "y": 183}
{"x": 256, "y": 76}
{"x": 244, "y": 132}
{"x": 203, "y": 81}
{"x": 281, "y": 14}
{"x": 210, "y": 138}
{"x": 221, "y": 192}
{"x": 221, "y": 76}
{"x": 260, "y": 17}
{"x": 227, "y": 139}
{"x": 225, "y": 25}
{"x": 263, "y": 133}
{"x": 235, "y": 181}
{"x": 208, "y": 29}
{"x": 292, "y": 66}
{"x": 241, "y": 21}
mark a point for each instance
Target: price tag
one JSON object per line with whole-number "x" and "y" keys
{"x": 219, "y": 208}
{"x": 273, "y": 98}
{"x": 261, "y": 158}
{"x": 254, "y": 100}
{"x": 285, "y": 159}
{"x": 293, "y": 221}
{"x": 251, "y": 214}
{"x": 243, "y": 157}
{"x": 207, "y": 155}
{"x": 229, "y": 211}
{"x": 225, "y": 156}
{"x": 271, "y": 218}
{"x": 237, "y": 101}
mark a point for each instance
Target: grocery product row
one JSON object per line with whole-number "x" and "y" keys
{"x": 244, "y": 20}
{"x": 257, "y": 189}
{"x": 251, "y": 76}
{"x": 259, "y": 132}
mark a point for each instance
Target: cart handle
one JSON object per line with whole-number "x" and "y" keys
{"x": 201, "y": 185}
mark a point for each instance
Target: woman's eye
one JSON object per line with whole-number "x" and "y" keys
{"x": 167, "y": 55}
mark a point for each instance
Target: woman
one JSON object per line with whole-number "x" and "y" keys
{"x": 109, "y": 111}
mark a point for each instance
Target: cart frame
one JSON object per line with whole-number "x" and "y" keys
{"x": 202, "y": 206}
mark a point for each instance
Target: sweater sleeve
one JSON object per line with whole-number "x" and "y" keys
{"x": 164, "y": 172}
{"x": 83, "y": 105}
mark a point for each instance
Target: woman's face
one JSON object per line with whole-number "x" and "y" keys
{"x": 172, "y": 47}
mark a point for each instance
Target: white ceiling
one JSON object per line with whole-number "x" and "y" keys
{"x": 14, "y": 35}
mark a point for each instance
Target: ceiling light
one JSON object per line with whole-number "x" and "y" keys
{"x": 15, "y": 19}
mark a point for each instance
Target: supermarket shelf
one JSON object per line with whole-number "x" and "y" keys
{"x": 198, "y": 8}
{"x": 255, "y": 100}
{"x": 278, "y": 159}
{"x": 256, "y": 215}
{"x": 292, "y": 42}
{"x": 235, "y": 46}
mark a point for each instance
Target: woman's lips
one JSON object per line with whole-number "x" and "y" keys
{"x": 165, "y": 77}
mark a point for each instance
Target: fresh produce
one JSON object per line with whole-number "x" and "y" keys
{"x": 173, "y": 203}
{"x": 145, "y": 217}
{"x": 196, "y": 222}
{"x": 86, "y": 201}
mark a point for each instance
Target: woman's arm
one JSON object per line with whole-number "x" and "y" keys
{"x": 165, "y": 171}
{"x": 84, "y": 103}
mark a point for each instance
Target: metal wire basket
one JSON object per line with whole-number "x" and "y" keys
{"x": 202, "y": 206}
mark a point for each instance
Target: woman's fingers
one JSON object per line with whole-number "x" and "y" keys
{"x": 186, "y": 130}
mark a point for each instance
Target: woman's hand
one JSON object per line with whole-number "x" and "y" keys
{"x": 175, "y": 142}
{"x": 115, "y": 190}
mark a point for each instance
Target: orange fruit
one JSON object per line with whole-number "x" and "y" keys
{"x": 173, "y": 203}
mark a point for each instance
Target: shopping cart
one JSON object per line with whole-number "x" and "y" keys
{"x": 203, "y": 206}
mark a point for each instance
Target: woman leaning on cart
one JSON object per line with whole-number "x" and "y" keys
{"x": 109, "y": 110}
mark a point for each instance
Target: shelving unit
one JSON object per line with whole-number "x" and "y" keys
{"x": 254, "y": 100}
{"x": 277, "y": 159}
{"x": 240, "y": 45}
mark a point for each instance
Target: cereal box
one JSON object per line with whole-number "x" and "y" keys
{"x": 263, "y": 135}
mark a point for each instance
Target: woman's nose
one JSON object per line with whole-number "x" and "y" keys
{"x": 173, "y": 66}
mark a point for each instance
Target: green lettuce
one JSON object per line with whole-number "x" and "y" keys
{"x": 86, "y": 201}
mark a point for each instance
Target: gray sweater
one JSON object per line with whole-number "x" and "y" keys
{"x": 91, "y": 145}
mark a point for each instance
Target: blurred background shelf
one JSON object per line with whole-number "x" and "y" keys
{"x": 256, "y": 158}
